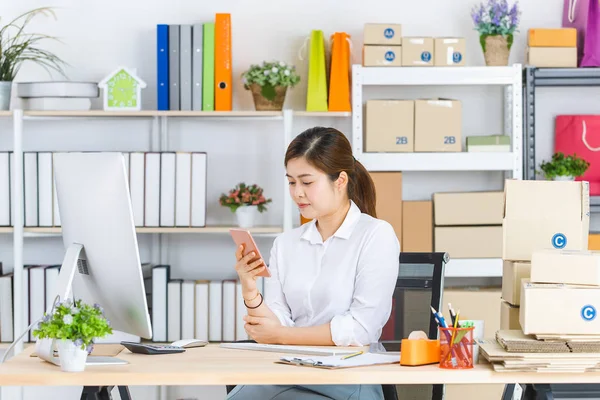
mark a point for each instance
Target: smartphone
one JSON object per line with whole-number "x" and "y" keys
{"x": 243, "y": 237}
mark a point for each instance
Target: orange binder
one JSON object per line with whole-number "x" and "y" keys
{"x": 339, "y": 80}
{"x": 223, "y": 74}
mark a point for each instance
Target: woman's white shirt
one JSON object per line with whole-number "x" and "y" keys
{"x": 347, "y": 280}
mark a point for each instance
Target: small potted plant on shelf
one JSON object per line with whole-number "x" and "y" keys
{"x": 245, "y": 200}
{"x": 269, "y": 82}
{"x": 73, "y": 326}
{"x": 17, "y": 46}
{"x": 564, "y": 168}
{"x": 496, "y": 23}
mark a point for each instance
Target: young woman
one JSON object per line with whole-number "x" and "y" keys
{"x": 332, "y": 279}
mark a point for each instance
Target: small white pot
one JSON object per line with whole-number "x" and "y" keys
{"x": 5, "y": 92}
{"x": 246, "y": 216}
{"x": 72, "y": 357}
{"x": 564, "y": 178}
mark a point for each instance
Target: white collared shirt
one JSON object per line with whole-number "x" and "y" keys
{"x": 348, "y": 280}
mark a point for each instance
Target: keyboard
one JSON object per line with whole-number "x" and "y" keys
{"x": 276, "y": 348}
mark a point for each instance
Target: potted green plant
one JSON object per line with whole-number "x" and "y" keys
{"x": 268, "y": 83}
{"x": 564, "y": 168}
{"x": 18, "y": 46}
{"x": 73, "y": 326}
{"x": 496, "y": 23}
{"x": 245, "y": 200}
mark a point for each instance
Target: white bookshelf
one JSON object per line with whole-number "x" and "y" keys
{"x": 473, "y": 267}
{"x": 438, "y": 161}
{"x": 143, "y": 229}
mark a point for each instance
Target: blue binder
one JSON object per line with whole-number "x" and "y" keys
{"x": 162, "y": 67}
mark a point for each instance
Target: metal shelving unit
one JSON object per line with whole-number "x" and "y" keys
{"x": 510, "y": 78}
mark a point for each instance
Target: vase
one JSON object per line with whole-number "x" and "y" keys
{"x": 246, "y": 216}
{"x": 5, "y": 92}
{"x": 495, "y": 50}
{"x": 72, "y": 358}
{"x": 262, "y": 103}
{"x": 563, "y": 178}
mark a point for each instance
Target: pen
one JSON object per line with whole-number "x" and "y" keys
{"x": 352, "y": 355}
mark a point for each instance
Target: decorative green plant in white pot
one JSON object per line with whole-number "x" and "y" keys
{"x": 73, "y": 326}
{"x": 18, "y": 46}
{"x": 564, "y": 168}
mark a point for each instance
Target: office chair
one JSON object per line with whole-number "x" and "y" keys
{"x": 418, "y": 287}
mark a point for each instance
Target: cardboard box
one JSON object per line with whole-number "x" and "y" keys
{"x": 449, "y": 51}
{"x": 417, "y": 226}
{"x": 477, "y": 303}
{"x": 551, "y": 308}
{"x": 468, "y": 208}
{"x": 509, "y": 317}
{"x": 469, "y": 241}
{"x": 390, "y": 126}
{"x": 382, "y": 56}
{"x": 388, "y": 187}
{"x": 382, "y": 34}
{"x": 594, "y": 241}
{"x": 490, "y": 143}
{"x": 417, "y": 52}
{"x": 438, "y": 125}
{"x": 552, "y": 57}
{"x": 513, "y": 274}
{"x": 552, "y": 37}
{"x": 542, "y": 215}
{"x": 570, "y": 267}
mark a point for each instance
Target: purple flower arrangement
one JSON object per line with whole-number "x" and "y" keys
{"x": 496, "y": 17}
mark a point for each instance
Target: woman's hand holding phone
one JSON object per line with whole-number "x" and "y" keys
{"x": 248, "y": 271}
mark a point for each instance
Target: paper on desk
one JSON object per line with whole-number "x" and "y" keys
{"x": 337, "y": 361}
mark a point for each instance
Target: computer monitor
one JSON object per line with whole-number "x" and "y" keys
{"x": 102, "y": 263}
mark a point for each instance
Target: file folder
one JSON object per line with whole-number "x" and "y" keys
{"x": 223, "y": 94}
{"x": 208, "y": 67}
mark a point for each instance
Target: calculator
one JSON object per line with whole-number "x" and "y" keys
{"x": 151, "y": 349}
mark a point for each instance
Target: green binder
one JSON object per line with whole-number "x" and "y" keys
{"x": 316, "y": 94}
{"x": 208, "y": 67}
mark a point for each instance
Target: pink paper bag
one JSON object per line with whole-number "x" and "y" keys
{"x": 580, "y": 135}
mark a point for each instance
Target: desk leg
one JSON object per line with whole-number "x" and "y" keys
{"x": 103, "y": 393}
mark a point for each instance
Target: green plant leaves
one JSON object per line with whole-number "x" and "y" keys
{"x": 268, "y": 91}
{"x": 562, "y": 165}
{"x": 275, "y": 73}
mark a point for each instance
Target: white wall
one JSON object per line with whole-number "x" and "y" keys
{"x": 98, "y": 36}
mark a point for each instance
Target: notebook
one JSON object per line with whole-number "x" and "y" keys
{"x": 334, "y": 362}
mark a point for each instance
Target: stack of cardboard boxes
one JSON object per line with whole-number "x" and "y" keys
{"x": 400, "y": 126}
{"x": 469, "y": 224}
{"x": 384, "y": 46}
{"x": 540, "y": 216}
{"x": 553, "y": 48}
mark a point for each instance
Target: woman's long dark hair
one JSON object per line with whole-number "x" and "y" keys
{"x": 330, "y": 151}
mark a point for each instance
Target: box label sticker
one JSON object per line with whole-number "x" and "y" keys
{"x": 390, "y": 56}
{"x": 426, "y": 56}
{"x": 559, "y": 241}
{"x": 588, "y": 312}
{"x": 388, "y": 33}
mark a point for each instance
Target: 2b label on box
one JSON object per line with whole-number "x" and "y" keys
{"x": 390, "y": 126}
{"x": 438, "y": 125}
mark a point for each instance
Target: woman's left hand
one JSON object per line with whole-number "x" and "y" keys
{"x": 263, "y": 329}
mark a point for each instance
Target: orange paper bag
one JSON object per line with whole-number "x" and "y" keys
{"x": 339, "y": 78}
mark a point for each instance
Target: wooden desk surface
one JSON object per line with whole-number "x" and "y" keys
{"x": 213, "y": 365}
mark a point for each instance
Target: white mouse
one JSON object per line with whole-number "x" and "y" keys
{"x": 188, "y": 343}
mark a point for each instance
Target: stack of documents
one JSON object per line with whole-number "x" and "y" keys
{"x": 333, "y": 362}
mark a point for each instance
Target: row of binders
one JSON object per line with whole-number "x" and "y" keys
{"x": 167, "y": 189}
{"x": 194, "y": 65}
{"x": 201, "y": 309}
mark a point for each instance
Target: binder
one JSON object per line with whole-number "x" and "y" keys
{"x": 208, "y": 67}
{"x": 162, "y": 67}
{"x": 339, "y": 81}
{"x": 185, "y": 67}
{"x": 316, "y": 95}
{"x": 174, "y": 67}
{"x": 223, "y": 74}
{"x": 197, "y": 46}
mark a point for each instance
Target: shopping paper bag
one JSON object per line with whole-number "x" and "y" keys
{"x": 316, "y": 94}
{"x": 339, "y": 78}
{"x": 580, "y": 135}
{"x": 583, "y": 15}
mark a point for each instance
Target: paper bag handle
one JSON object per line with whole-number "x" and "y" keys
{"x": 583, "y": 137}
{"x": 302, "y": 49}
{"x": 571, "y": 11}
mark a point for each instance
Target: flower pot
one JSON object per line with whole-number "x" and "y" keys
{"x": 262, "y": 103}
{"x": 5, "y": 91}
{"x": 72, "y": 358}
{"x": 564, "y": 178}
{"x": 246, "y": 216}
{"x": 495, "y": 50}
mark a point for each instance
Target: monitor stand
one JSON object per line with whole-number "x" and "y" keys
{"x": 74, "y": 261}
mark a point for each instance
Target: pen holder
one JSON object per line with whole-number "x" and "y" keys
{"x": 456, "y": 348}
